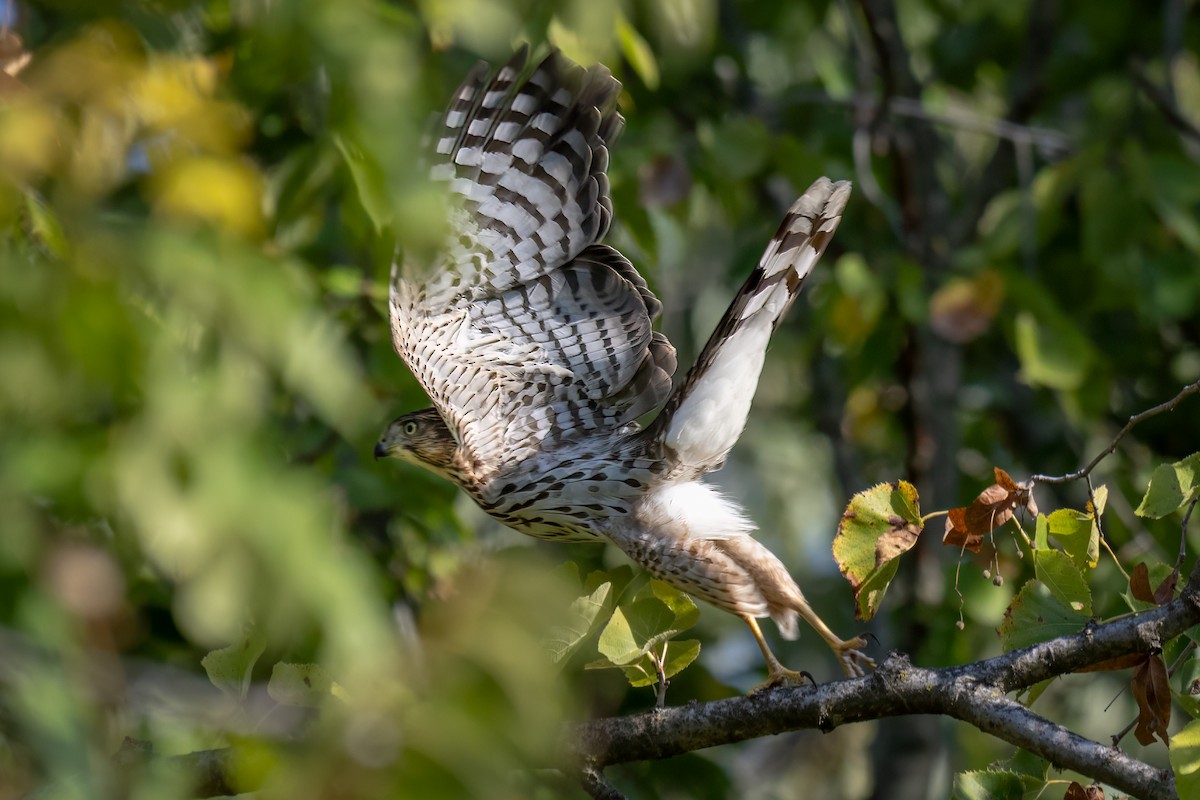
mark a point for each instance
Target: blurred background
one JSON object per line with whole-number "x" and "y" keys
{"x": 200, "y": 202}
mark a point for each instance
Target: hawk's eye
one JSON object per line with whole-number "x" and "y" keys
{"x": 410, "y": 428}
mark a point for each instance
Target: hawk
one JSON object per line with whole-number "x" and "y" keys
{"x": 535, "y": 343}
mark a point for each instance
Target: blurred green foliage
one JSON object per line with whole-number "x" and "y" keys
{"x": 200, "y": 202}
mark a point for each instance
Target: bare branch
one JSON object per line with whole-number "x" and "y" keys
{"x": 1190, "y": 389}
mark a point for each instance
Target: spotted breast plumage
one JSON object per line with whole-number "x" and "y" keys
{"x": 535, "y": 343}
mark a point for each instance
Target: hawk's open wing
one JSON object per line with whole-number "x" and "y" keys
{"x": 529, "y": 333}
{"x": 703, "y": 419}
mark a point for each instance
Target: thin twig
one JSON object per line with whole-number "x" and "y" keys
{"x": 1183, "y": 532}
{"x": 1190, "y": 389}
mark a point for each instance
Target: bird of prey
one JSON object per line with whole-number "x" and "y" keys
{"x": 534, "y": 341}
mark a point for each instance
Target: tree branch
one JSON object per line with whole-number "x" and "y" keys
{"x": 974, "y": 694}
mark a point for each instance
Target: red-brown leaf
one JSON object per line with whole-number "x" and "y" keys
{"x": 1075, "y": 792}
{"x": 966, "y": 527}
{"x": 1139, "y": 583}
{"x": 1166, "y": 590}
{"x": 1152, "y": 691}
{"x": 958, "y": 533}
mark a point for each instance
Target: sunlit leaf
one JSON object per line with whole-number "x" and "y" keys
{"x": 1171, "y": 487}
{"x": 988, "y": 785}
{"x": 1185, "y": 760}
{"x": 879, "y": 525}
{"x": 1076, "y": 531}
{"x": 1037, "y": 615}
{"x": 1062, "y": 577}
{"x": 966, "y": 527}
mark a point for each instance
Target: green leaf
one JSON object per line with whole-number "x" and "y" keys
{"x": 641, "y": 673}
{"x": 585, "y": 616}
{"x": 1041, "y": 533}
{"x": 617, "y": 642}
{"x": 686, "y": 612}
{"x": 1171, "y": 487}
{"x": 637, "y": 52}
{"x": 620, "y": 578}
{"x": 370, "y": 181}
{"x": 1188, "y": 694}
{"x": 1052, "y": 351}
{"x": 1064, "y": 580}
{"x": 229, "y": 668}
{"x": 1185, "y": 760}
{"x": 655, "y": 614}
{"x": 1036, "y": 615}
{"x": 307, "y": 685}
{"x": 1076, "y": 531}
{"x": 45, "y": 226}
{"x": 879, "y": 525}
{"x": 988, "y": 785}
{"x": 680, "y": 655}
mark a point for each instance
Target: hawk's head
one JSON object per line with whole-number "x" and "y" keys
{"x": 421, "y": 438}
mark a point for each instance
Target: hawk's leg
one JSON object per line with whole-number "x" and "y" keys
{"x": 853, "y": 660}
{"x": 777, "y": 673}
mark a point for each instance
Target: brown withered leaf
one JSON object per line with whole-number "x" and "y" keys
{"x": 1166, "y": 590}
{"x": 1152, "y": 691}
{"x": 1139, "y": 583}
{"x": 1075, "y": 792}
{"x": 1113, "y": 664}
{"x": 897, "y": 540}
{"x": 958, "y": 532}
{"x": 1078, "y": 792}
{"x": 995, "y": 505}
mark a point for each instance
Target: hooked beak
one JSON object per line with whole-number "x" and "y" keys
{"x": 380, "y": 451}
